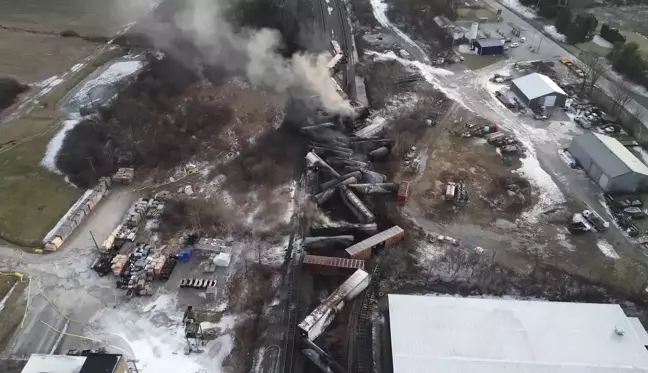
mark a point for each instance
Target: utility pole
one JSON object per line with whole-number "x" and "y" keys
{"x": 540, "y": 43}
{"x": 92, "y": 165}
{"x": 93, "y": 240}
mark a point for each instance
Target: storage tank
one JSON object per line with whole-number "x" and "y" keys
{"x": 472, "y": 35}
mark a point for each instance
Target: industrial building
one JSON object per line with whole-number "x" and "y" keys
{"x": 467, "y": 335}
{"x": 92, "y": 363}
{"x": 538, "y": 90}
{"x": 610, "y": 164}
{"x": 485, "y": 47}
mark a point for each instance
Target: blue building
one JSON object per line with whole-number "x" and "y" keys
{"x": 486, "y": 47}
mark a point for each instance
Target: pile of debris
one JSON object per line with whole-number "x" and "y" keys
{"x": 340, "y": 166}
{"x": 507, "y": 144}
{"x": 137, "y": 273}
{"x": 126, "y": 231}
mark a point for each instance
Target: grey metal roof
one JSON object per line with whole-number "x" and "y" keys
{"x": 468, "y": 335}
{"x": 537, "y": 85}
{"x": 609, "y": 154}
{"x": 484, "y": 43}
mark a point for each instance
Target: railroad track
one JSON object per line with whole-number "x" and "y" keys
{"x": 305, "y": 185}
{"x": 363, "y": 342}
{"x": 353, "y": 327}
{"x": 323, "y": 13}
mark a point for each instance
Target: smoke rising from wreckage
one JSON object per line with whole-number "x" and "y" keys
{"x": 357, "y": 220}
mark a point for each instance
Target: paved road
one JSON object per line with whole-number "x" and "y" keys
{"x": 544, "y": 139}
{"x": 549, "y": 48}
{"x": 65, "y": 278}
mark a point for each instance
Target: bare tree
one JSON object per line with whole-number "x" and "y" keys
{"x": 620, "y": 95}
{"x": 594, "y": 67}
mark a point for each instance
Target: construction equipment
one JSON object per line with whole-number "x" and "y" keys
{"x": 194, "y": 336}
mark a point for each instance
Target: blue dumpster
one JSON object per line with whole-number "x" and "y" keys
{"x": 184, "y": 256}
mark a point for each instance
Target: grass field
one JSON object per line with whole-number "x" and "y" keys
{"x": 44, "y": 57}
{"x": 33, "y": 199}
{"x": 641, "y": 40}
{"x": 87, "y": 17}
{"x": 475, "y": 62}
{"x": 593, "y": 47}
{"x": 469, "y": 15}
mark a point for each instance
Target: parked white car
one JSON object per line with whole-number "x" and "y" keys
{"x": 514, "y": 45}
{"x": 522, "y": 39}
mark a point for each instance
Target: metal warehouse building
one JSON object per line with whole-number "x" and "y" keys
{"x": 488, "y": 46}
{"x": 469, "y": 335}
{"x": 537, "y": 89}
{"x": 610, "y": 164}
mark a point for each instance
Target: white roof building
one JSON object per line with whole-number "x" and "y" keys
{"x": 468, "y": 335}
{"x": 41, "y": 363}
{"x": 537, "y": 89}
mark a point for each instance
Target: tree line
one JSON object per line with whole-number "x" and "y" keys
{"x": 578, "y": 28}
{"x": 625, "y": 58}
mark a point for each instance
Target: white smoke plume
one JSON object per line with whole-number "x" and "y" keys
{"x": 256, "y": 53}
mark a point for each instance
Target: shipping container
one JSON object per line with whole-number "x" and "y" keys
{"x": 362, "y": 250}
{"x": 333, "y": 262}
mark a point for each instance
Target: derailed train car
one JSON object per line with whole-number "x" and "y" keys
{"x": 322, "y": 316}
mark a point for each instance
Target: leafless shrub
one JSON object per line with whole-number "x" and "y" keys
{"x": 246, "y": 340}
{"x": 251, "y": 287}
{"x": 10, "y": 88}
{"x": 205, "y": 218}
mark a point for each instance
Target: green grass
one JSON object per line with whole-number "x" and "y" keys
{"x": 32, "y": 199}
{"x": 475, "y": 62}
{"x": 594, "y": 48}
{"x": 641, "y": 40}
{"x": 102, "y": 17}
{"x": 473, "y": 15}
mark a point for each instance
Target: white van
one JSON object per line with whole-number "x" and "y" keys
{"x": 451, "y": 189}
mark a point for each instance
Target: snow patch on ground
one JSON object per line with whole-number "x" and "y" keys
{"x": 549, "y": 193}
{"x": 429, "y": 252}
{"x": 430, "y": 73}
{"x": 290, "y": 209}
{"x": 598, "y": 40}
{"x": 4, "y": 300}
{"x": 379, "y": 8}
{"x": 48, "y": 85}
{"x": 153, "y": 334}
{"x": 551, "y": 31}
{"x": 55, "y": 144}
{"x": 607, "y": 249}
{"x": 564, "y": 242}
{"x": 517, "y": 7}
{"x": 77, "y": 67}
{"x": 465, "y": 49}
{"x": 634, "y": 87}
{"x": 112, "y": 75}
